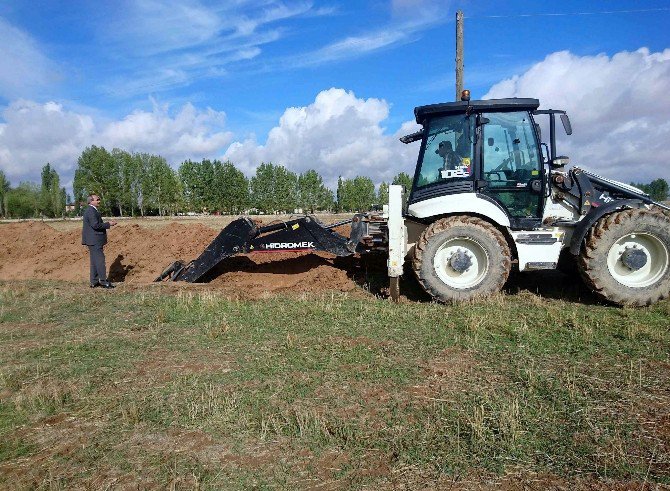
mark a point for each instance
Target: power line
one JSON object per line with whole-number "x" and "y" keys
{"x": 566, "y": 14}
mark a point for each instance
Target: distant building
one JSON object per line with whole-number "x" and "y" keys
{"x": 73, "y": 206}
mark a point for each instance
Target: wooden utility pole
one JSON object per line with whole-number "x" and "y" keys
{"x": 459, "y": 54}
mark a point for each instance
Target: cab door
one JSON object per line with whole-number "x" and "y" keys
{"x": 511, "y": 165}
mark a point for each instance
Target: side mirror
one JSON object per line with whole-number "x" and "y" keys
{"x": 566, "y": 124}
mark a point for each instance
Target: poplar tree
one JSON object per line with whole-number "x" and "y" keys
{"x": 404, "y": 180}
{"x": 52, "y": 197}
{"x": 338, "y": 198}
{"x": 656, "y": 189}
{"x": 4, "y": 189}
{"x": 193, "y": 185}
{"x": 231, "y": 188}
{"x": 23, "y": 201}
{"x": 383, "y": 194}
{"x": 274, "y": 188}
{"x": 162, "y": 190}
{"x": 96, "y": 173}
{"x": 357, "y": 194}
{"x": 128, "y": 170}
{"x": 312, "y": 193}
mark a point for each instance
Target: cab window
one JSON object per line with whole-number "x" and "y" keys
{"x": 511, "y": 162}
{"x": 447, "y": 154}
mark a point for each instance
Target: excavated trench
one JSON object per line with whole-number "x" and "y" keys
{"x": 136, "y": 255}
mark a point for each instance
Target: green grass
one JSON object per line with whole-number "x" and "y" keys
{"x": 191, "y": 389}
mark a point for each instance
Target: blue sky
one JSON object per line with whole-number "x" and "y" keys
{"x": 325, "y": 85}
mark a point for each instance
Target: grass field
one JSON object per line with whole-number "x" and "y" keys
{"x": 181, "y": 387}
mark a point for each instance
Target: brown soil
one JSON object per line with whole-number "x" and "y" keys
{"x": 137, "y": 255}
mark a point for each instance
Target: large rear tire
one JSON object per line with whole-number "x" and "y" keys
{"x": 461, "y": 258}
{"x": 626, "y": 257}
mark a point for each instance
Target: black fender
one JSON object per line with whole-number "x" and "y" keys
{"x": 595, "y": 214}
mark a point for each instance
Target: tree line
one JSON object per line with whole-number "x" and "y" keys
{"x": 141, "y": 184}
{"x": 132, "y": 184}
{"x": 656, "y": 189}
{"x": 29, "y": 200}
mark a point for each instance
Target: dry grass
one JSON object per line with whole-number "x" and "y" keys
{"x": 190, "y": 389}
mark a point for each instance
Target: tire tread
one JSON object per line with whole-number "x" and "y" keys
{"x": 597, "y": 280}
{"x": 444, "y": 224}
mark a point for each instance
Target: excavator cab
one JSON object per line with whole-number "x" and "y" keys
{"x": 490, "y": 149}
{"x": 486, "y": 198}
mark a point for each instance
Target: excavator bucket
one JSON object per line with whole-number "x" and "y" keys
{"x": 231, "y": 240}
{"x": 243, "y": 236}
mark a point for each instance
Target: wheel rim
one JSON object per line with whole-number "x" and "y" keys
{"x": 470, "y": 277}
{"x": 655, "y": 267}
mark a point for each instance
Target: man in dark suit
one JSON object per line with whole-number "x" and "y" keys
{"x": 94, "y": 235}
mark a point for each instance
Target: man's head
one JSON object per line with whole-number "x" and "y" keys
{"x": 444, "y": 148}
{"x": 93, "y": 199}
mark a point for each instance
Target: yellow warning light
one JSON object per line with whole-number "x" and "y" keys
{"x": 465, "y": 95}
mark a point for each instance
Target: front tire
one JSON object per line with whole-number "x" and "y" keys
{"x": 626, "y": 257}
{"x": 461, "y": 258}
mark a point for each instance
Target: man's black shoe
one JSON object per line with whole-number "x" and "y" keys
{"x": 94, "y": 285}
{"x": 106, "y": 284}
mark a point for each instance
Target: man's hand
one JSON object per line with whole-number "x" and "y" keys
{"x": 112, "y": 223}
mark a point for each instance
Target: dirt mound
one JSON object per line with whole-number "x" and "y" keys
{"x": 285, "y": 271}
{"x": 136, "y": 255}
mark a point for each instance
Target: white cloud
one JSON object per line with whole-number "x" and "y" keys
{"x": 411, "y": 18}
{"x": 34, "y": 134}
{"x": 422, "y": 8}
{"x": 153, "y": 26}
{"x": 356, "y": 46}
{"x": 23, "y": 66}
{"x": 338, "y": 134}
{"x": 618, "y": 107}
{"x": 175, "y": 42}
{"x": 190, "y": 133}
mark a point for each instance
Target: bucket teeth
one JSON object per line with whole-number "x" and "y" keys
{"x": 176, "y": 266}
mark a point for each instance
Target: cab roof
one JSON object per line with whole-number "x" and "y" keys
{"x": 491, "y": 105}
